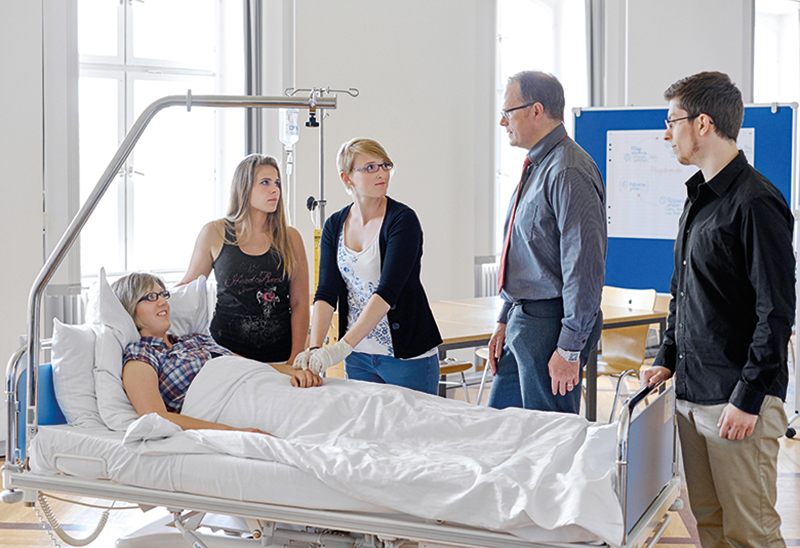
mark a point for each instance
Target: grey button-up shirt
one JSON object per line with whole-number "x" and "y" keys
{"x": 558, "y": 241}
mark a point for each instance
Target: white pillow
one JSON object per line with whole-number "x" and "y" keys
{"x": 188, "y": 308}
{"x": 73, "y": 379}
{"x": 115, "y": 408}
{"x": 104, "y": 308}
{"x": 114, "y": 330}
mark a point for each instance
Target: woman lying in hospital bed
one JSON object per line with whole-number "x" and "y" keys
{"x": 159, "y": 367}
{"x": 525, "y": 472}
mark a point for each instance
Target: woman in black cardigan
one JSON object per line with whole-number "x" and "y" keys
{"x": 370, "y": 256}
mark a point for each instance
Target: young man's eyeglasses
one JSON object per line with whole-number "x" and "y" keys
{"x": 153, "y": 296}
{"x": 373, "y": 168}
{"x": 669, "y": 122}
{"x": 506, "y": 114}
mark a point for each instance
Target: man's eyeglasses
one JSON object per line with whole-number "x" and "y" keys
{"x": 669, "y": 122}
{"x": 506, "y": 114}
{"x": 153, "y": 296}
{"x": 373, "y": 168}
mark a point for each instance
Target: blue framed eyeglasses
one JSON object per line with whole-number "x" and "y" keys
{"x": 154, "y": 295}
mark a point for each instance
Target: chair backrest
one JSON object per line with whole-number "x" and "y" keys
{"x": 624, "y": 348}
{"x": 643, "y": 299}
{"x": 662, "y": 303}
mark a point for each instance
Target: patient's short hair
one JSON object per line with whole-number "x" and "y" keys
{"x": 131, "y": 288}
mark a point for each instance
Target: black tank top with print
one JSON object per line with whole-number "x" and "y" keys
{"x": 252, "y": 316}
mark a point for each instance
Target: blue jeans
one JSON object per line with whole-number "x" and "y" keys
{"x": 420, "y": 374}
{"x": 523, "y": 377}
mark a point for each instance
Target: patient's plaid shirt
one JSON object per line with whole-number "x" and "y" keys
{"x": 175, "y": 366}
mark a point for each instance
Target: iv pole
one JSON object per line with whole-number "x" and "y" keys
{"x": 316, "y": 94}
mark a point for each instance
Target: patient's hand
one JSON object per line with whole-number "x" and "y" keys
{"x": 305, "y": 379}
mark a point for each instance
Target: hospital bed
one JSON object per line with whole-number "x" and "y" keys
{"x": 79, "y": 461}
{"x": 287, "y": 506}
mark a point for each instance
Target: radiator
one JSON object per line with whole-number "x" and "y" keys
{"x": 69, "y": 308}
{"x": 486, "y": 279}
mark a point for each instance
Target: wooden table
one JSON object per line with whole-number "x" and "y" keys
{"x": 469, "y": 323}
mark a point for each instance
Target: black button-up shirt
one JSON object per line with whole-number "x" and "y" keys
{"x": 733, "y": 291}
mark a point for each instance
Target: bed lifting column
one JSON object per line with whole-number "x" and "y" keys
{"x": 78, "y": 222}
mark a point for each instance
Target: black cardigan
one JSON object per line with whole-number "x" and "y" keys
{"x": 411, "y": 321}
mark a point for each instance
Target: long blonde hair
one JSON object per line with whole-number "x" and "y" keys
{"x": 239, "y": 209}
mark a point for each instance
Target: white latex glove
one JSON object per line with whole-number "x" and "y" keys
{"x": 301, "y": 360}
{"x": 328, "y": 356}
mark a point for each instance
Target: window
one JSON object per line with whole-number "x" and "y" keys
{"x": 546, "y": 35}
{"x": 177, "y": 178}
{"x": 776, "y": 51}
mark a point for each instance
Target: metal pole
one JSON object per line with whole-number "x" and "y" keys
{"x": 321, "y": 170}
{"x": 73, "y": 230}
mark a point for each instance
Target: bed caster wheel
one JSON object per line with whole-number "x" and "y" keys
{"x": 10, "y": 496}
{"x": 677, "y": 505}
{"x": 791, "y": 432}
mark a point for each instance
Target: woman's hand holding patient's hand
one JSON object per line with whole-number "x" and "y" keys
{"x": 328, "y": 356}
{"x": 301, "y": 360}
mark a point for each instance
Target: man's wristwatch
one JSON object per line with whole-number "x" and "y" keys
{"x": 569, "y": 355}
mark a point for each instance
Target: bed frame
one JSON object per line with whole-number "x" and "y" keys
{"x": 646, "y": 469}
{"x": 646, "y": 448}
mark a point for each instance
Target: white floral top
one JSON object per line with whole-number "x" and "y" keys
{"x": 361, "y": 273}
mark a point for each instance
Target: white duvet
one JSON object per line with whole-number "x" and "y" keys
{"x": 504, "y": 470}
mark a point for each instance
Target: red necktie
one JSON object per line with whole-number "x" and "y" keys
{"x": 504, "y": 256}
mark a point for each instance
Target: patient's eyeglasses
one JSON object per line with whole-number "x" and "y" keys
{"x": 154, "y": 295}
{"x": 373, "y": 168}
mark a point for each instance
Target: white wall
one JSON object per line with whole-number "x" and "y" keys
{"x": 21, "y": 158}
{"x": 425, "y": 72}
{"x": 651, "y": 43}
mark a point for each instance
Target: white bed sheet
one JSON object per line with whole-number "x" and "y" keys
{"x": 97, "y": 453}
{"x": 359, "y": 449}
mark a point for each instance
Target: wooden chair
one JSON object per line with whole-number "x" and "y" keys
{"x": 623, "y": 349}
{"x": 450, "y": 366}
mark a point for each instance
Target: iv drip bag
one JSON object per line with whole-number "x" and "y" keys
{"x": 290, "y": 132}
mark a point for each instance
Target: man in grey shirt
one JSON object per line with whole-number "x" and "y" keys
{"x": 553, "y": 263}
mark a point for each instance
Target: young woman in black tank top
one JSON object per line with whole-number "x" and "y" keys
{"x": 262, "y": 309}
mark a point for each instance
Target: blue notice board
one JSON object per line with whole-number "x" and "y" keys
{"x": 647, "y": 263}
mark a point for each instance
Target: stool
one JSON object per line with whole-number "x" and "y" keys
{"x": 451, "y": 365}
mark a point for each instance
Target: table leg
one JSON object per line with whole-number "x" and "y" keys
{"x": 591, "y": 387}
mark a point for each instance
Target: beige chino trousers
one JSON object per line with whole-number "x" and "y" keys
{"x": 732, "y": 484}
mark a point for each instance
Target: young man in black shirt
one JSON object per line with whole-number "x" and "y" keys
{"x": 730, "y": 319}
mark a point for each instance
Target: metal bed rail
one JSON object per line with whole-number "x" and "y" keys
{"x": 73, "y": 230}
